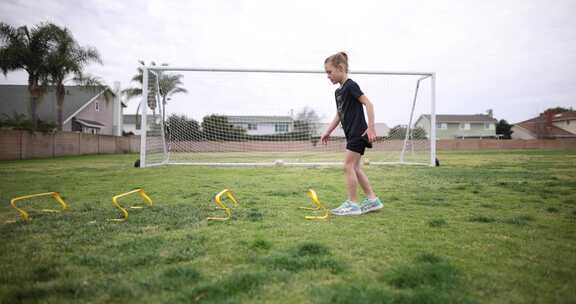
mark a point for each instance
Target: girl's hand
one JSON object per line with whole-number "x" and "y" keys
{"x": 324, "y": 138}
{"x": 371, "y": 134}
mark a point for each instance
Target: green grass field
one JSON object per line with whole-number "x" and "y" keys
{"x": 485, "y": 227}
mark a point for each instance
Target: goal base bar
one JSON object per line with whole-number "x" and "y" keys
{"x": 272, "y": 164}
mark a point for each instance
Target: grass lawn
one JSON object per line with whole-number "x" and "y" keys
{"x": 485, "y": 227}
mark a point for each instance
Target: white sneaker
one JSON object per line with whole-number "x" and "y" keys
{"x": 371, "y": 205}
{"x": 348, "y": 208}
{"x": 342, "y": 206}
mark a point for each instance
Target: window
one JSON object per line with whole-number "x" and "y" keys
{"x": 442, "y": 125}
{"x": 97, "y": 106}
{"x": 464, "y": 126}
{"x": 252, "y": 126}
{"x": 281, "y": 127}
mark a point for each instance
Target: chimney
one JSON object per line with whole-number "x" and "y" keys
{"x": 545, "y": 122}
{"x": 490, "y": 113}
{"x": 548, "y": 117}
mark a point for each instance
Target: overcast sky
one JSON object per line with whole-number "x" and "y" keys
{"x": 516, "y": 57}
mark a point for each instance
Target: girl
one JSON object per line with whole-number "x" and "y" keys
{"x": 359, "y": 136}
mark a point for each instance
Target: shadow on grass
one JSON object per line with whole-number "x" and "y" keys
{"x": 226, "y": 290}
{"x": 427, "y": 270}
{"x": 481, "y": 219}
{"x": 261, "y": 244}
{"x": 520, "y": 220}
{"x": 306, "y": 256}
{"x": 47, "y": 293}
{"x": 437, "y": 223}
{"x": 173, "y": 279}
{"x": 552, "y": 209}
{"x": 141, "y": 252}
{"x": 429, "y": 279}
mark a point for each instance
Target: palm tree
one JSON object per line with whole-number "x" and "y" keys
{"x": 95, "y": 84}
{"x": 169, "y": 84}
{"x": 136, "y": 91}
{"x": 68, "y": 58}
{"x": 24, "y": 49}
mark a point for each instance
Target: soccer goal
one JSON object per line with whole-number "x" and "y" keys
{"x": 273, "y": 117}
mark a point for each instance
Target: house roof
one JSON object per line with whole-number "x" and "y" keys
{"x": 461, "y": 118}
{"x": 16, "y": 99}
{"x": 258, "y": 118}
{"x": 89, "y": 123}
{"x": 538, "y": 125}
{"x": 569, "y": 115}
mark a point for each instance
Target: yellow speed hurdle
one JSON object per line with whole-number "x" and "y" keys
{"x": 221, "y": 205}
{"x": 142, "y": 194}
{"x": 24, "y": 215}
{"x": 319, "y": 207}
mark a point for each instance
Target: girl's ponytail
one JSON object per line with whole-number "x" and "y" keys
{"x": 339, "y": 60}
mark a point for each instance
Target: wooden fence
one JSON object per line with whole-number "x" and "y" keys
{"x": 15, "y": 145}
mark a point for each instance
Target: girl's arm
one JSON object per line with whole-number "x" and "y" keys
{"x": 329, "y": 129}
{"x": 370, "y": 111}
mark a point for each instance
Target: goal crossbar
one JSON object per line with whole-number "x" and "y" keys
{"x": 278, "y": 71}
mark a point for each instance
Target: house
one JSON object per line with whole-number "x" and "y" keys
{"x": 262, "y": 125}
{"x": 86, "y": 110}
{"x": 131, "y": 123}
{"x": 550, "y": 124}
{"x": 450, "y": 126}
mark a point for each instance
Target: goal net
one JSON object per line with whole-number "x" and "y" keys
{"x": 255, "y": 117}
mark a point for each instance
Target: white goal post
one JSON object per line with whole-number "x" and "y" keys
{"x": 231, "y": 140}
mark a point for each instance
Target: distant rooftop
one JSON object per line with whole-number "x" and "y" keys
{"x": 462, "y": 118}
{"x": 15, "y": 99}
{"x": 258, "y": 118}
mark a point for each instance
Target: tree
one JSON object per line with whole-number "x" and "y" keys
{"x": 399, "y": 132}
{"x": 24, "y": 49}
{"x": 169, "y": 85}
{"x": 180, "y": 127}
{"x": 217, "y": 127}
{"x": 94, "y": 83}
{"x": 306, "y": 123}
{"x": 136, "y": 91}
{"x": 504, "y": 128}
{"x": 67, "y": 59}
{"x": 558, "y": 110}
{"x": 20, "y": 121}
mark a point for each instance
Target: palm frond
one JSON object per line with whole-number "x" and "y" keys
{"x": 137, "y": 78}
{"x": 178, "y": 90}
{"x": 132, "y": 92}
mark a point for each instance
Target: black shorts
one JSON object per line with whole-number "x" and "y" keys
{"x": 358, "y": 144}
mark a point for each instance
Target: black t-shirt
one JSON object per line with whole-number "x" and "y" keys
{"x": 350, "y": 110}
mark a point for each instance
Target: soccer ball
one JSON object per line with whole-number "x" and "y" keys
{"x": 366, "y": 161}
{"x": 279, "y": 162}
